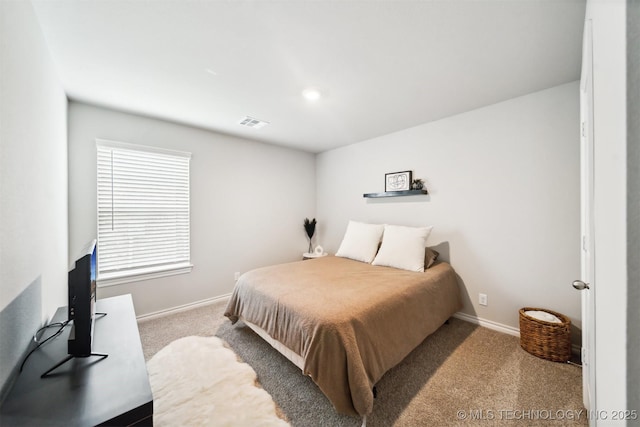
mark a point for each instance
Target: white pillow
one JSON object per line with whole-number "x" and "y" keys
{"x": 403, "y": 247}
{"x": 360, "y": 241}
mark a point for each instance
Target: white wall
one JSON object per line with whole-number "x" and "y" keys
{"x": 633, "y": 204}
{"x": 610, "y": 195}
{"x": 504, "y": 195}
{"x": 33, "y": 178}
{"x": 248, "y": 202}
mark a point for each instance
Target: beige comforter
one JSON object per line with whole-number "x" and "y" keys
{"x": 350, "y": 321}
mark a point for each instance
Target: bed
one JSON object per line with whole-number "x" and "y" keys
{"x": 344, "y": 322}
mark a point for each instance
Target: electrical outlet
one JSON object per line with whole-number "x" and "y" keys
{"x": 482, "y": 299}
{"x": 236, "y": 275}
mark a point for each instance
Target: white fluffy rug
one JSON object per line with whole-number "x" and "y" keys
{"x": 197, "y": 381}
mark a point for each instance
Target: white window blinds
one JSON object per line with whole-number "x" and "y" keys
{"x": 143, "y": 210}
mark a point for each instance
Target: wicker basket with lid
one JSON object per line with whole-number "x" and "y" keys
{"x": 548, "y": 340}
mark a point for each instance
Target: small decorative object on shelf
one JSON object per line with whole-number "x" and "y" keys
{"x": 417, "y": 184}
{"x": 400, "y": 184}
{"x": 310, "y": 228}
{"x": 397, "y": 181}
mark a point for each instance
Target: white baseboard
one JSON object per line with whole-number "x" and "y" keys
{"x": 178, "y": 309}
{"x": 499, "y": 327}
{"x": 489, "y": 324}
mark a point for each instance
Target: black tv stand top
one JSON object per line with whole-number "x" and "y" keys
{"x": 86, "y": 391}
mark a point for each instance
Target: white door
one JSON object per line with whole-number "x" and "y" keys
{"x": 586, "y": 283}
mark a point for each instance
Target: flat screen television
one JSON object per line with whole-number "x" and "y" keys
{"x": 82, "y": 298}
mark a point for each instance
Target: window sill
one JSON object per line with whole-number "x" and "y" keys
{"x": 121, "y": 278}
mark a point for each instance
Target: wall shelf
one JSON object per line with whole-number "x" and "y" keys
{"x": 396, "y": 193}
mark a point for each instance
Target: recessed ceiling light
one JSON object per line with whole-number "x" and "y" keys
{"x": 311, "y": 94}
{"x": 210, "y": 71}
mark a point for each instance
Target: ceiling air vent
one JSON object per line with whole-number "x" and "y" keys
{"x": 250, "y": 122}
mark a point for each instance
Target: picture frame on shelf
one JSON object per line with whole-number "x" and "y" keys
{"x": 397, "y": 181}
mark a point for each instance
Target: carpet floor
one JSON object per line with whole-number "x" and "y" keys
{"x": 462, "y": 374}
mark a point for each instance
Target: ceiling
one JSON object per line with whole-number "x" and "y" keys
{"x": 381, "y": 66}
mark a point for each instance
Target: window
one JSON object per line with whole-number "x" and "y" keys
{"x": 143, "y": 212}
